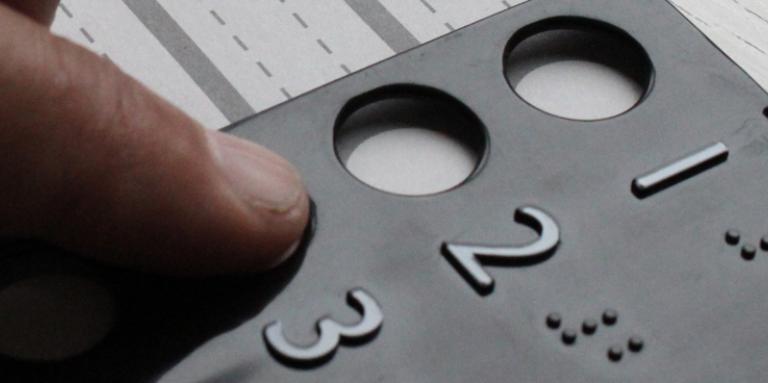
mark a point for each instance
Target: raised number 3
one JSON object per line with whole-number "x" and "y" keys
{"x": 330, "y": 333}
{"x": 468, "y": 258}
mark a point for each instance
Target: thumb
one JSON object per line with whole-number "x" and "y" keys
{"x": 97, "y": 164}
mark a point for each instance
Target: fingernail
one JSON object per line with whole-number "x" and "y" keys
{"x": 260, "y": 178}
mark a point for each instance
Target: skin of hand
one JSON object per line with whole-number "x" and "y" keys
{"x": 95, "y": 163}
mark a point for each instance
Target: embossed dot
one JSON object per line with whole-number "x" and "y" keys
{"x": 569, "y": 336}
{"x": 732, "y": 237}
{"x": 635, "y": 344}
{"x": 554, "y": 320}
{"x": 589, "y": 326}
{"x": 764, "y": 243}
{"x": 748, "y": 252}
{"x": 615, "y": 353}
{"x": 610, "y": 317}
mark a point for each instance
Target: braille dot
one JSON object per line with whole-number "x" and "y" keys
{"x": 764, "y": 243}
{"x": 748, "y": 252}
{"x": 554, "y": 320}
{"x": 569, "y": 336}
{"x": 732, "y": 237}
{"x": 615, "y": 353}
{"x": 589, "y": 326}
{"x": 610, "y": 317}
{"x": 635, "y": 344}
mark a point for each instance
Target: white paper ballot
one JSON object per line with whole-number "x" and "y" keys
{"x": 271, "y": 51}
{"x": 224, "y": 60}
{"x": 109, "y": 28}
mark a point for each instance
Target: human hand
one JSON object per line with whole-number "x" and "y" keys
{"x": 93, "y": 162}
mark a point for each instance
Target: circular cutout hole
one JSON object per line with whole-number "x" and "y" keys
{"x": 53, "y": 317}
{"x": 577, "y": 68}
{"x": 409, "y": 140}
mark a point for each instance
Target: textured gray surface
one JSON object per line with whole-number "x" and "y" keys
{"x": 661, "y": 262}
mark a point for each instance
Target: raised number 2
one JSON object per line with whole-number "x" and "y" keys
{"x": 330, "y": 333}
{"x": 468, "y": 259}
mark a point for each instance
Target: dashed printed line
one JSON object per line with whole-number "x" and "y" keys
{"x": 748, "y": 43}
{"x": 264, "y": 69}
{"x": 428, "y": 6}
{"x": 240, "y": 42}
{"x": 260, "y": 64}
{"x": 188, "y": 54}
{"x": 756, "y": 15}
{"x": 345, "y": 68}
{"x": 450, "y": 27}
{"x": 300, "y": 20}
{"x": 66, "y": 10}
{"x": 285, "y": 93}
{"x": 87, "y": 35}
{"x": 218, "y": 18}
{"x": 506, "y": 4}
{"x": 324, "y": 46}
{"x": 691, "y": 15}
{"x": 697, "y": 18}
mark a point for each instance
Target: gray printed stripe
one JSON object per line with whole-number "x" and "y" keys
{"x": 191, "y": 58}
{"x": 384, "y": 24}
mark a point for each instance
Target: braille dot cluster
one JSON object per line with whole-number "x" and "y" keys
{"x": 589, "y": 326}
{"x": 748, "y": 250}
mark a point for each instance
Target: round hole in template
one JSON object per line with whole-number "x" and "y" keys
{"x": 53, "y": 317}
{"x": 409, "y": 140}
{"x": 577, "y": 68}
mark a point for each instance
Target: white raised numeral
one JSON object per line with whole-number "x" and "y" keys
{"x": 330, "y": 333}
{"x": 468, "y": 259}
